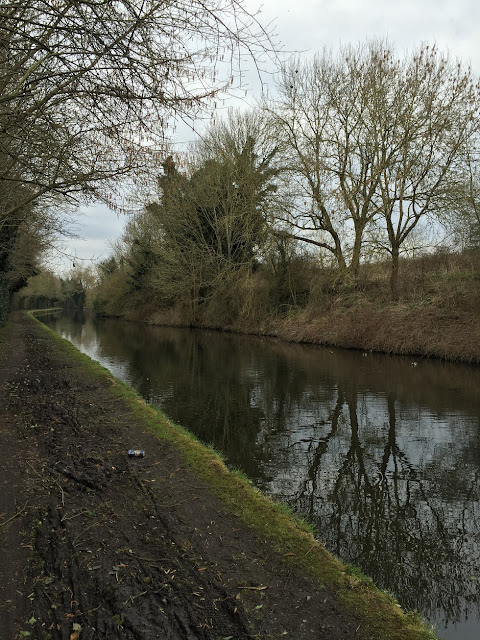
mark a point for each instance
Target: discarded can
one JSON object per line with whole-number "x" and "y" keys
{"x": 136, "y": 453}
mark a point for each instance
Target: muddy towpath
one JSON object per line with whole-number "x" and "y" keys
{"x": 96, "y": 545}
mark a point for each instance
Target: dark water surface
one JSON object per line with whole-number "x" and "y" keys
{"x": 381, "y": 453}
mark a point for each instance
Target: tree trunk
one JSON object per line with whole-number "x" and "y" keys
{"x": 356, "y": 252}
{"x": 394, "y": 287}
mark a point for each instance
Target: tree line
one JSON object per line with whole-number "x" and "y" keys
{"x": 360, "y": 156}
{"x": 87, "y": 93}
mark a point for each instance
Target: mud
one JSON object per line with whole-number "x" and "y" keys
{"x": 97, "y": 545}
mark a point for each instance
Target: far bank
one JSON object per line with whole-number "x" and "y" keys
{"x": 437, "y": 314}
{"x": 429, "y": 330}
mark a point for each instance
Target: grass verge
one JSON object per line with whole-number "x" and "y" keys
{"x": 381, "y": 616}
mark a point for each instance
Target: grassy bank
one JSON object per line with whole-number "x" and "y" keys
{"x": 380, "y": 616}
{"x": 437, "y": 315}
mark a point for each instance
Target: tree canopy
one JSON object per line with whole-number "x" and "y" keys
{"x": 207, "y": 228}
{"x": 87, "y": 89}
{"x": 83, "y": 85}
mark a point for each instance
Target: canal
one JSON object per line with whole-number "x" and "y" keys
{"x": 380, "y": 453}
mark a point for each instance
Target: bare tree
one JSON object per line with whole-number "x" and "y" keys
{"x": 320, "y": 115}
{"x": 88, "y": 89}
{"x": 463, "y": 200}
{"x": 428, "y": 119}
{"x": 374, "y": 140}
{"x": 84, "y": 84}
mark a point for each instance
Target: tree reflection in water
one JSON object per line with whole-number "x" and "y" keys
{"x": 383, "y": 457}
{"x": 380, "y": 500}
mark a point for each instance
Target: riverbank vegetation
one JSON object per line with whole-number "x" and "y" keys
{"x": 362, "y": 158}
{"x": 89, "y": 95}
{"x": 437, "y": 313}
{"x": 341, "y": 210}
{"x": 344, "y": 211}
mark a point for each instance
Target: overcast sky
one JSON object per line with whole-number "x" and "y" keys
{"x": 309, "y": 25}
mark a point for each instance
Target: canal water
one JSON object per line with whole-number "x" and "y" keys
{"x": 381, "y": 453}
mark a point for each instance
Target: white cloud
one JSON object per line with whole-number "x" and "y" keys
{"x": 312, "y": 24}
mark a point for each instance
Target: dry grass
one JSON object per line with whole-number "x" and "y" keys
{"x": 437, "y": 315}
{"x": 425, "y": 331}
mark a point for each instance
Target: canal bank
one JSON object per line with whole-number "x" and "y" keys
{"x": 170, "y": 545}
{"x": 449, "y": 332}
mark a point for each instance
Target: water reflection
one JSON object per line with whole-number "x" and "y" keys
{"x": 396, "y": 497}
{"x": 383, "y": 456}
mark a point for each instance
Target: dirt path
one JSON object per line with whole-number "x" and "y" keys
{"x": 97, "y": 545}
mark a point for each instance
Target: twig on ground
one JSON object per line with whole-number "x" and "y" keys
{"x": 15, "y": 515}
{"x": 95, "y": 524}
